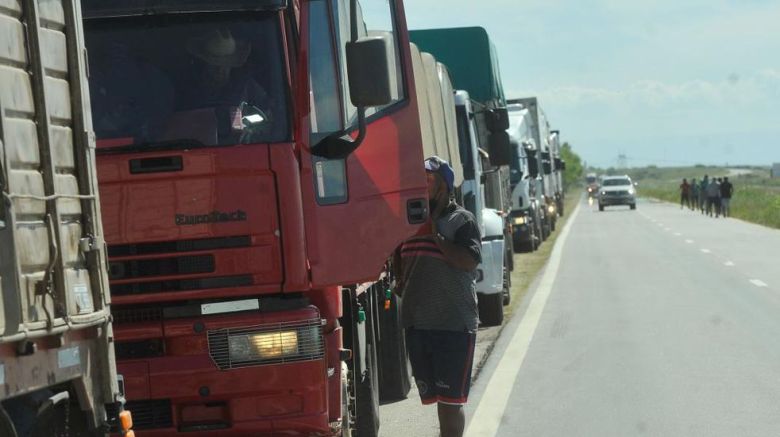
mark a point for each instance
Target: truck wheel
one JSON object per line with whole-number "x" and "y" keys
{"x": 601, "y": 207}
{"x": 394, "y": 369}
{"x": 533, "y": 242}
{"x": 633, "y": 206}
{"x": 552, "y": 224}
{"x": 367, "y": 383}
{"x": 491, "y": 309}
{"x": 507, "y": 291}
{"x": 509, "y": 254}
{"x": 517, "y": 246}
{"x": 546, "y": 229}
{"x": 6, "y": 425}
{"x": 347, "y": 403}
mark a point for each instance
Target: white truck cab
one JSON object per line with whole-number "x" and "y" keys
{"x": 492, "y": 283}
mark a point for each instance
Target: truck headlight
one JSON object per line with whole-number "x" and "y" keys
{"x": 631, "y": 191}
{"x": 245, "y": 347}
{"x": 551, "y": 209}
{"x": 272, "y": 344}
{"x": 519, "y": 220}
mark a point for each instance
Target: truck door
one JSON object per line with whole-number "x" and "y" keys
{"x": 378, "y": 194}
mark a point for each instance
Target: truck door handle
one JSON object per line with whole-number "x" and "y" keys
{"x": 417, "y": 211}
{"x": 162, "y": 164}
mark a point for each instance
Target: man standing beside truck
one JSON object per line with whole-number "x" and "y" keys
{"x": 439, "y": 307}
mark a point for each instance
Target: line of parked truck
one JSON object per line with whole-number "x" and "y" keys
{"x": 198, "y": 219}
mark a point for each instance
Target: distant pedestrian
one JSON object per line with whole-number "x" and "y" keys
{"x": 726, "y": 191}
{"x": 703, "y": 192}
{"x": 713, "y": 198}
{"x": 685, "y": 194}
{"x": 694, "y": 195}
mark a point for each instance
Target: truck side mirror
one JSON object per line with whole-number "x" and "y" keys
{"x": 563, "y": 165}
{"x": 498, "y": 120}
{"x": 371, "y": 69}
{"x": 500, "y": 148}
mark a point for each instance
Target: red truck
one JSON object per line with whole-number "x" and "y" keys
{"x": 259, "y": 162}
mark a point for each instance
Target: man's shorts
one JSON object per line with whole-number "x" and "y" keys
{"x": 441, "y": 364}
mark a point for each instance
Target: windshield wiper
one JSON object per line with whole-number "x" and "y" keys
{"x": 154, "y": 146}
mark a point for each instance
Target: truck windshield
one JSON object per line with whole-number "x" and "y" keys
{"x": 213, "y": 79}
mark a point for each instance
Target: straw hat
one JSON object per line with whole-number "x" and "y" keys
{"x": 219, "y": 48}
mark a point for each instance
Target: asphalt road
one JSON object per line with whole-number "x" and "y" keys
{"x": 654, "y": 322}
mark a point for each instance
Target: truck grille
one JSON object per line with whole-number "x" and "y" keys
{"x": 267, "y": 344}
{"x": 616, "y": 193}
{"x": 181, "y": 285}
{"x": 177, "y": 263}
{"x": 179, "y": 246}
{"x": 151, "y": 414}
{"x": 183, "y": 265}
{"x": 136, "y": 314}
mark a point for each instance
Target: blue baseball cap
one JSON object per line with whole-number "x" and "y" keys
{"x": 434, "y": 164}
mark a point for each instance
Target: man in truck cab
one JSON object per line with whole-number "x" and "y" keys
{"x": 224, "y": 84}
{"x": 439, "y": 305}
{"x": 215, "y": 82}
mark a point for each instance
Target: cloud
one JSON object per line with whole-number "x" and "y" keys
{"x": 760, "y": 89}
{"x": 624, "y": 73}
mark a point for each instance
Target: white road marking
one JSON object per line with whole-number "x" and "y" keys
{"x": 728, "y": 264}
{"x": 706, "y": 251}
{"x": 689, "y": 241}
{"x": 487, "y": 416}
{"x": 759, "y": 283}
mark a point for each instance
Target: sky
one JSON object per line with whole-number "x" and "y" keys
{"x": 665, "y": 82}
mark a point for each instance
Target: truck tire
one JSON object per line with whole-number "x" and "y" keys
{"x": 633, "y": 206}
{"x": 367, "y": 384}
{"x": 346, "y": 403}
{"x": 362, "y": 385}
{"x": 394, "y": 370}
{"x": 601, "y": 207}
{"x": 517, "y": 246}
{"x": 507, "y": 291}
{"x": 491, "y": 309}
{"x": 509, "y": 254}
{"x": 6, "y": 425}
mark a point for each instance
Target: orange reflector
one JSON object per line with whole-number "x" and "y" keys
{"x": 387, "y": 304}
{"x": 126, "y": 419}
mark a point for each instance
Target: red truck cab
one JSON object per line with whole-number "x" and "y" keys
{"x": 239, "y": 211}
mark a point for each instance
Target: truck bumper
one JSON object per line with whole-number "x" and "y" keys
{"x": 190, "y": 390}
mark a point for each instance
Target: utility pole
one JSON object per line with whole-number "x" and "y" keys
{"x": 622, "y": 160}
